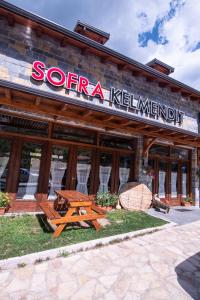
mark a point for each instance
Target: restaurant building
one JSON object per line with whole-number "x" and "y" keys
{"x": 75, "y": 114}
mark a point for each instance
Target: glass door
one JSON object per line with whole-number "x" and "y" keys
{"x": 162, "y": 179}
{"x": 29, "y": 171}
{"x": 5, "y": 147}
{"x": 105, "y": 171}
{"x": 58, "y": 170}
{"x": 174, "y": 179}
{"x": 124, "y": 170}
{"x": 83, "y": 170}
{"x": 184, "y": 179}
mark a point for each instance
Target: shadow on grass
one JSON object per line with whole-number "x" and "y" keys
{"x": 44, "y": 224}
{"x": 47, "y": 228}
{"x": 188, "y": 275}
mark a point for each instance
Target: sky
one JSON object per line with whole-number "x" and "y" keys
{"x": 168, "y": 30}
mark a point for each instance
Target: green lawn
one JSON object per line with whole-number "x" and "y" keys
{"x": 28, "y": 234}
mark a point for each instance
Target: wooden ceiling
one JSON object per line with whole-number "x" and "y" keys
{"x": 54, "y": 111}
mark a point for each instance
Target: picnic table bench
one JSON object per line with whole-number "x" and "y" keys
{"x": 80, "y": 207}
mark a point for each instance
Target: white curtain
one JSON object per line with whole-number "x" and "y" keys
{"x": 3, "y": 164}
{"x": 83, "y": 172}
{"x": 162, "y": 175}
{"x": 184, "y": 185}
{"x": 32, "y": 183}
{"x": 104, "y": 175}
{"x": 123, "y": 176}
{"x": 174, "y": 184}
{"x": 57, "y": 173}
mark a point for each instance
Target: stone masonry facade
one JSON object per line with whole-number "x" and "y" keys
{"x": 20, "y": 46}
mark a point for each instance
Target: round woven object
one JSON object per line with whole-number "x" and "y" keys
{"x": 135, "y": 196}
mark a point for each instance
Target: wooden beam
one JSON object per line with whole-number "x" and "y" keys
{"x": 37, "y": 101}
{"x": 10, "y": 20}
{"x": 105, "y": 59}
{"x": 85, "y": 50}
{"x": 175, "y": 89}
{"x": 127, "y": 123}
{"x": 136, "y": 73}
{"x": 50, "y": 129}
{"x": 64, "y": 107}
{"x": 23, "y": 104}
{"x": 185, "y": 94}
{"x": 194, "y": 98}
{"x": 8, "y": 94}
{"x": 150, "y": 78}
{"x": 163, "y": 84}
{"x": 109, "y": 118}
{"x": 148, "y": 142}
{"x": 143, "y": 126}
{"x": 86, "y": 113}
{"x": 38, "y": 31}
{"x": 63, "y": 42}
{"x": 122, "y": 67}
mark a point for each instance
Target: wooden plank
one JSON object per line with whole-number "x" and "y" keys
{"x": 72, "y": 219}
{"x": 49, "y": 211}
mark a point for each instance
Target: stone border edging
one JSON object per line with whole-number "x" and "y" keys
{"x": 21, "y": 261}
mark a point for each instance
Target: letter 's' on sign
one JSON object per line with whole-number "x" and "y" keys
{"x": 57, "y": 77}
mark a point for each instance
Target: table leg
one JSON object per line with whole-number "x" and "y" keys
{"x": 61, "y": 227}
{"x": 94, "y": 222}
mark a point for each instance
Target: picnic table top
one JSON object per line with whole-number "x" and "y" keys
{"x": 71, "y": 195}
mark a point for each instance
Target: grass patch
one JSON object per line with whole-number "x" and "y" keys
{"x": 27, "y": 234}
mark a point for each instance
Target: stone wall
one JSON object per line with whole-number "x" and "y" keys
{"x": 19, "y": 47}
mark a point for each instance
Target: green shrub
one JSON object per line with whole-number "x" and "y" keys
{"x": 106, "y": 199}
{"x": 188, "y": 199}
{"x": 4, "y": 199}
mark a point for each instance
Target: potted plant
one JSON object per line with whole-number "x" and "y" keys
{"x": 106, "y": 200}
{"x": 187, "y": 201}
{"x": 4, "y": 202}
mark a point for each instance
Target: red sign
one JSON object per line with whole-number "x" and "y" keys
{"x": 57, "y": 77}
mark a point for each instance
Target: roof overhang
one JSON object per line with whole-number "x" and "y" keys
{"x": 58, "y": 109}
{"x": 41, "y": 25}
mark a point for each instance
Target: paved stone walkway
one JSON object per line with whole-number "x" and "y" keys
{"x": 159, "y": 266}
{"x": 177, "y": 214}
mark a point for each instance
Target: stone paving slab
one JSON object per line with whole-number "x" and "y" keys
{"x": 160, "y": 266}
{"x": 177, "y": 214}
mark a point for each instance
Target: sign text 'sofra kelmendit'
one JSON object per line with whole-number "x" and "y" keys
{"x": 120, "y": 98}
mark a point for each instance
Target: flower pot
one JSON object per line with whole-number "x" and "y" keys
{"x": 2, "y": 211}
{"x": 187, "y": 204}
{"x": 108, "y": 208}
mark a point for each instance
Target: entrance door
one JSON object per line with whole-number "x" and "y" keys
{"x": 58, "y": 170}
{"x": 171, "y": 180}
{"x": 105, "y": 172}
{"x": 29, "y": 171}
{"x": 174, "y": 186}
{"x": 83, "y": 171}
{"x": 162, "y": 179}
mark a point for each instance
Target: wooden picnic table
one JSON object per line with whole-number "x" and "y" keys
{"x": 80, "y": 207}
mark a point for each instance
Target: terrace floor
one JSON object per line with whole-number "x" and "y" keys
{"x": 177, "y": 214}
{"x": 159, "y": 266}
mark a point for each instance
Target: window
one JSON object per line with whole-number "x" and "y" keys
{"x": 29, "y": 171}
{"x": 74, "y": 134}
{"x": 159, "y": 150}
{"x": 5, "y": 147}
{"x": 58, "y": 170}
{"x": 105, "y": 169}
{"x": 24, "y": 126}
{"x": 179, "y": 153}
{"x": 124, "y": 170}
{"x": 116, "y": 142}
{"x": 83, "y": 171}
